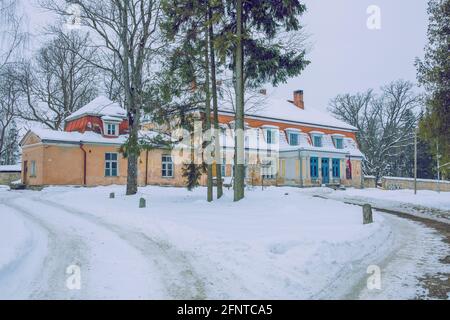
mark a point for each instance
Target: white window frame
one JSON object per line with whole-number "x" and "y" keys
{"x": 113, "y": 125}
{"x": 336, "y": 139}
{"x": 33, "y": 168}
{"x": 164, "y": 169}
{"x": 270, "y": 133}
{"x": 295, "y": 134}
{"x": 110, "y": 161}
{"x": 314, "y": 136}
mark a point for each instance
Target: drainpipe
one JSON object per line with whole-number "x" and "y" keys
{"x": 146, "y": 168}
{"x": 301, "y": 167}
{"x": 84, "y": 162}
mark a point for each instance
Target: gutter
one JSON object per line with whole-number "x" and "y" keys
{"x": 84, "y": 162}
{"x": 146, "y": 167}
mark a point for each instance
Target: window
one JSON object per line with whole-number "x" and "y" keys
{"x": 293, "y": 139}
{"x": 167, "y": 166}
{"x": 111, "y": 129}
{"x": 270, "y": 137}
{"x": 111, "y": 165}
{"x": 223, "y": 167}
{"x": 267, "y": 170}
{"x": 338, "y": 143}
{"x": 314, "y": 167}
{"x": 33, "y": 169}
{"x": 317, "y": 141}
{"x": 336, "y": 168}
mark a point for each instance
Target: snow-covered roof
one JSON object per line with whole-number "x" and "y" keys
{"x": 63, "y": 137}
{"x": 47, "y": 135}
{"x": 279, "y": 109}
{"x": 11, "y": 168}
{"x": 100, "y": 106}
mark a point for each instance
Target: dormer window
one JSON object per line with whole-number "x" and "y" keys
{"x": 338, "y": 142}
{"x": 293, "y": 135}
{"x": 317, "y": 138}
{"x": 317, "y": 141}
{"x": 270, "y": 134}
{"x": 111, "y": 129}
{"x": 293, "y": 139}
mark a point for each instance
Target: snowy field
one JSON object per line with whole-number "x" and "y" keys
{"x": 276, "y": 243}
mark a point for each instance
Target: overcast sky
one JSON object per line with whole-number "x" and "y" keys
{"x": 346, "y": 56}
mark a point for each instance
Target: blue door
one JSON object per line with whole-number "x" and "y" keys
{"x": 325, "y": 170}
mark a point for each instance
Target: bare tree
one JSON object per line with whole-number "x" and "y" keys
{"x": 59, "y": 80}
{"x": 385, "y": 123}
{"x": 9, "y": 99}
{"x": 12, "y": 37}
{"x": 126, "y": 30}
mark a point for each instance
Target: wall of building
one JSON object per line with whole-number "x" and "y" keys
{"x": 154, "y": 169}
{"x": 393, "y": 183}
{"x": 308, "y": 181}
{"x": 33, "y": 152}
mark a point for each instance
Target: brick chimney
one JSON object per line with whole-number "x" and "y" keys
{"x": 298, "y": 99}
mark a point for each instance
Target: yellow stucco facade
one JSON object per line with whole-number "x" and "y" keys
{"x": 63, "y": 164}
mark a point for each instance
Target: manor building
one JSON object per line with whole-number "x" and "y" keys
{"x": 300, "y": 147}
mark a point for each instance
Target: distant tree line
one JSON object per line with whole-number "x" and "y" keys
{"x": 387, "y": 122}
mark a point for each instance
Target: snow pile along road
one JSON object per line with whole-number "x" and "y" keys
{"x": 427, "y": 204}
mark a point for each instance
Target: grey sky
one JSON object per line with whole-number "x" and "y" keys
{"x": 346, "y": 56}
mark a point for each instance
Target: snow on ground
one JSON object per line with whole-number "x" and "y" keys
{"x": 276, "y": 243}
{"x": 425, "y": 203}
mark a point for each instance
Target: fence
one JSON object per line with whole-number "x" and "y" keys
{"x": 396, "y": 183}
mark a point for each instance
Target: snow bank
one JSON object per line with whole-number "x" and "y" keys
{"x": 426, "y": 203}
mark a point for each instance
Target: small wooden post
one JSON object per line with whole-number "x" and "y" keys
{"x": 142, "y": 203}
{"x": 367, "y": 214}
{"x": 112, "y": 195}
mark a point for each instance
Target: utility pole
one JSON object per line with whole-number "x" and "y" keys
{"x": 415, "y": 161}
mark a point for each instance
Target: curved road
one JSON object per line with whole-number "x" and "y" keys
{"x": 146, "y": 268}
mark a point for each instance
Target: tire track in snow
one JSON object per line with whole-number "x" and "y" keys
{"x": 105, "y": 274}
{"x": 63, "y": 250}
{"x": 180, "y": 279}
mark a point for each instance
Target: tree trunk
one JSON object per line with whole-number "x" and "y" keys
{"x": 209, "y": 182}
{"x": 133, "y": 155}
{"x": 239, "y": 171}
{"x": 215, "y": 108}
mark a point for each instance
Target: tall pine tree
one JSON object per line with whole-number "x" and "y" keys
{"x": 434, "y": 75}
